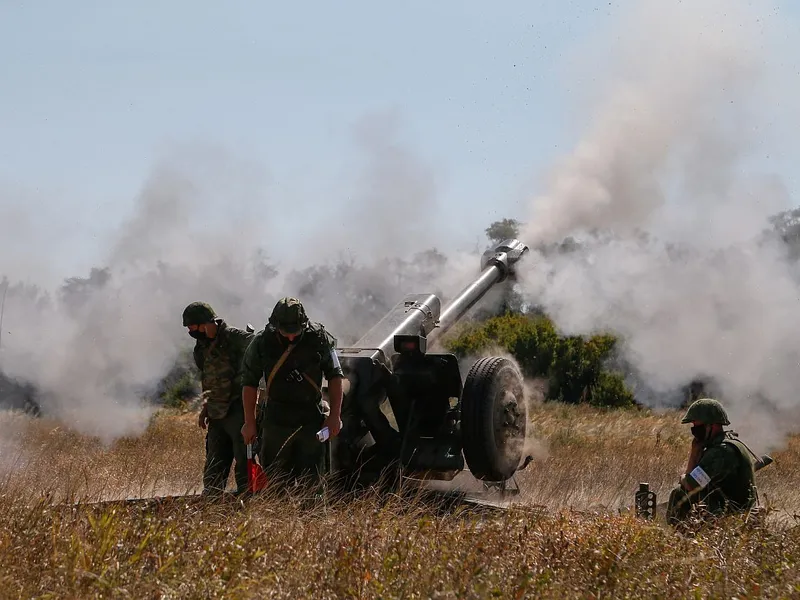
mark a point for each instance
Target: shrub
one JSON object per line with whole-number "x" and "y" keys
{"x": 610, "y": 390}
{"x": 181, "y": 391}
{"x": 574, "y": 365}
{"x": 180, "y": 384}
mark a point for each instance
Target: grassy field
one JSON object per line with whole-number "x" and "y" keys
{"x": 565, "y": 539}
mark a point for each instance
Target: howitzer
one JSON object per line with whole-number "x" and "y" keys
{"x": 407, "y": 410}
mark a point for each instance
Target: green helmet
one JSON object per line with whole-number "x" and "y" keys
{"x": 198, "y": 313}
{"x": 707, "y": 411}
{"x": 289, "y": 316}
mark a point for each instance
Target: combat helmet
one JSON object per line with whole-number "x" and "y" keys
{"x": 198, "y": 313}
{"x": 707, "y": 411}
{"x": 289, "y": 316}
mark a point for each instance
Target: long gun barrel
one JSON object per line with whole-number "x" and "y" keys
{"x": 497, "y": 265}
{"x": 421, "y": 314}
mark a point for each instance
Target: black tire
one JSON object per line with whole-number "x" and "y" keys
{"x": 494, "y": 419}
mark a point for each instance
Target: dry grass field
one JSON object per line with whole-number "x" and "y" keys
{"x": 565, "y": 538}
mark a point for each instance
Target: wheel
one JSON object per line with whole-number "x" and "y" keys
{"x": 494, "y": 419}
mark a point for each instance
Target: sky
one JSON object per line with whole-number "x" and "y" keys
{"x": 94, "y": 94}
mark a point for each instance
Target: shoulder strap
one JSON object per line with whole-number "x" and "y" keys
{"x": 320, "y": 340}
{"x": 277, "y": 366}
{"x": 739, "y": 444}
{"x": 733, "y": 444}
{"x": 312, "y": 382}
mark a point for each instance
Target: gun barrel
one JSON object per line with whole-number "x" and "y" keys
{"x": 415, "y": 315}
{"x": 497, "y": 264}
{"x": 466, "y": 299}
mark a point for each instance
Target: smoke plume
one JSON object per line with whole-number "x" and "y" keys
{"x": 200, "y": 230}
{"x": 668, "y": 210}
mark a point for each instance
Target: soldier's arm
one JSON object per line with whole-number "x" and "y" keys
{"x": 713, "y": 466}
{"x": 197, "y": 353}
{"x": 334, "y": 374}
{"x": 252, "y": 366}
{"x": 241, "y": 341}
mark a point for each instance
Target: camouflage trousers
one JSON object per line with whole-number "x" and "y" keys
{"x": 224, "y": 445}
{"x": 292, "y": 453}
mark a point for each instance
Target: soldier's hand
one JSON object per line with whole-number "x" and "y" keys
{"x": 249, "y": 432}
{"x": 694, "y": 455}
{"x": 334, "y": 424}
{"x": 202, "y": 418}
{"x": 697, "y": 449}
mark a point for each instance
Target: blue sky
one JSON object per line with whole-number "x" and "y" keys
{"x": 92, "y": 94}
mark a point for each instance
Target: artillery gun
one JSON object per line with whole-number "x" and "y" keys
{"x": 407, "y": 411}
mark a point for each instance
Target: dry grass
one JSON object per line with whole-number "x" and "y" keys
{"x": 555, "y": 544}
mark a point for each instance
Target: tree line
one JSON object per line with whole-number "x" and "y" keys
{"x": 577, "y": 368}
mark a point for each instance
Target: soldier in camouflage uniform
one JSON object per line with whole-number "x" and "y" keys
{"x": 218, "y": 354}
{"x": 720, "y": 472}
{"x": 292, "y": 354}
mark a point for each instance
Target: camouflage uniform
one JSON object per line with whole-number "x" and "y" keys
{"x": 724, "y": 478}
{"x": 219, "y": 360}
{"x": 295, "y": 409}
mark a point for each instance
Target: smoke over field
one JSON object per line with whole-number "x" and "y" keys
{"x": 667, "y": 195}
{"x": 94, "y": 346}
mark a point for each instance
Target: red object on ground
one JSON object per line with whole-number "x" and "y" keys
{"x": 256, "y": 478}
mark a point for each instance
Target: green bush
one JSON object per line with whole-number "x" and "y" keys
{"x": 532, "y": 341}
{"x": 181, "y": 391}
{"x": 610, "y": 390}
{"x": 180, "y": 384}
{"x": 572, "y": 364}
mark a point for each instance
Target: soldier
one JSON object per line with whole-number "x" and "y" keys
{"x": 218, "y": 354}
{"x": 721, "y": 469}
{"x": 292, "y": 354}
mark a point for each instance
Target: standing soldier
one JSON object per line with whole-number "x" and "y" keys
{"x": 218, "y": 354}
{"x": 292, "y": 354}
{"x": 721, "y": 469}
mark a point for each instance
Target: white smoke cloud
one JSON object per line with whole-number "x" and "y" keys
{"x": 200, "y": 230}
{"x": 668, "y": 171}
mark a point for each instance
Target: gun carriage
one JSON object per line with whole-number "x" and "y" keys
{"x": 407, "y": 410}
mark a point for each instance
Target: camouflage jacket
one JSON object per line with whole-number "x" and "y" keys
{"x": 293, "y": 397}
{"x": 725, "y": 475}
{"x": 220, "y": 362}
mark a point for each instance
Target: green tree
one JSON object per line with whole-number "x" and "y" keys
{"x": 511, "y": 300}
{"x": 502, "y": 230}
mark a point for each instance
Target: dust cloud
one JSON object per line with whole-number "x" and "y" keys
{"x": 667, "y": 197}
{"x": 534, "y": 445}
{"x": 200, "y": 230}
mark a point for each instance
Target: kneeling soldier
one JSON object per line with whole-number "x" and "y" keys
{"x": 721, "y": 469}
